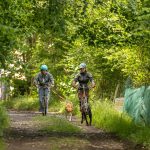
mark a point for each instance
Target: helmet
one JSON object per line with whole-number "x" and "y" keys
{"x": 44, "y": 68}
{"x": 82, "y": 65}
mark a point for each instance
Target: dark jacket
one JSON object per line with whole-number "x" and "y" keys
{"x": 44, "y": 80}
{"x": 83, "y": 78}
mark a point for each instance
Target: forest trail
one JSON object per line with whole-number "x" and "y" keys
{"x": 24, "y": 134}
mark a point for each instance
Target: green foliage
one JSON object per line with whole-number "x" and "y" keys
{"x": 4, "y": 121}
{"x": 104, "y": 36}
{"x": 2, "y": 146}
{"x": 26, "y": 103}
{"x": 22, "y": 103}
{"x": 9, "y": 104}
{"x": 112, "y": 37}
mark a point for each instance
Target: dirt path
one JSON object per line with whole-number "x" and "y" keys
{"x": 24, "y": 134}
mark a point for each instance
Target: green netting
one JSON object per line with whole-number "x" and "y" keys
{"x": 137, "y": 104}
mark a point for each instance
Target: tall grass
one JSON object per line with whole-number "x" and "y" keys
{"x": 26, "y": 103}
{"x": 105, "y": 116}
{"x": 2, "y": 145}
{"x": 21, "y": 103}
{"x": 4, "y": 120}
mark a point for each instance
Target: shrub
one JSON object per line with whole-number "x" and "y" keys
{"x": 4, "y": 120}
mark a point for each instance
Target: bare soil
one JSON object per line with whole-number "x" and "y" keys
{"x": 24, "y": 134}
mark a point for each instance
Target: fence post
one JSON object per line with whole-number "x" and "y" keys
{"x": 116, "y": 91}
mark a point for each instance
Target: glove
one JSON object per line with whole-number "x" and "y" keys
{"x": 52, "y": 85}
{"x": 77, "y": 87}
{"x": 90, "y": 87}
{"x": 37, "y": 88}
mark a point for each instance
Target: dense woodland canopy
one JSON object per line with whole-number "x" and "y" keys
{"x": 111, "y": 36}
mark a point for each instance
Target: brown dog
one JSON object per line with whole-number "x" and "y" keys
{"x": 68, "y": 110}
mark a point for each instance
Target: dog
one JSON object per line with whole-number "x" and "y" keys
{"x": 68, "y": 110}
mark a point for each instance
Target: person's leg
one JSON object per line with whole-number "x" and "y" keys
{"x": 41, "y": 92}
{"x": 80, "y": 95}
{"x": 47, "y": 95}
{"x": 90, "y": 116}
{"x": 89, "y": 108}
{"x": 87, "y": 95}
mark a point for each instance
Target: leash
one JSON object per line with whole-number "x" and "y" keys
{"x": 62, "y": 98}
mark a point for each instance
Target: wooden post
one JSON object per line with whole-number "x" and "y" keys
{"x": 116, "y": 91}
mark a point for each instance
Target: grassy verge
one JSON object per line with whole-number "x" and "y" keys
{"x": 106, "y": 117}
{"x": 56, "y": 124}
{"x": 2, "y": 146}
{"x": 26, "y": 103}
{"x": 4, "y": 120}
{"x": 21, "y": 103}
